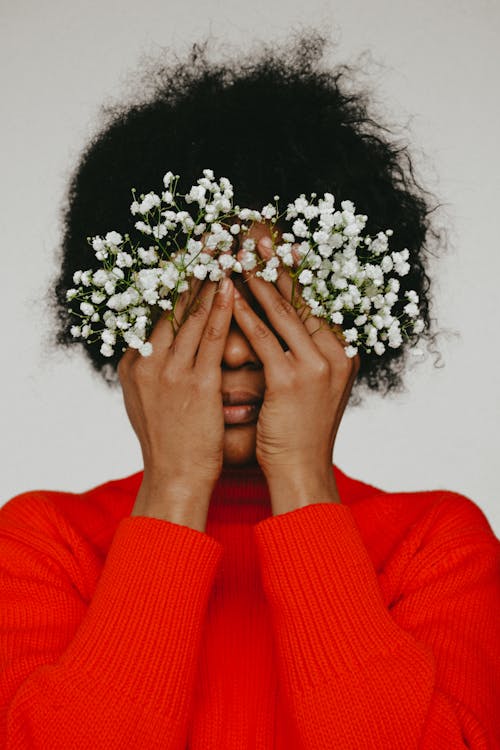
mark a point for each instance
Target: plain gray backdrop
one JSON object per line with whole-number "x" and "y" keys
{"x": 432, "y": 64}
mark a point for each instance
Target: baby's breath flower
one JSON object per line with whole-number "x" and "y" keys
{"x": 339, "y": 282}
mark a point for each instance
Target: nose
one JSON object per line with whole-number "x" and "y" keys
{"x": 238, "y": 353}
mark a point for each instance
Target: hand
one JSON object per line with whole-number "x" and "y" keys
{"x": 174, "y": 402}
{"x": 307, "y": 387}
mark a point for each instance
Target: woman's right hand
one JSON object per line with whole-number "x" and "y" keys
{"x": 173, "y": 399}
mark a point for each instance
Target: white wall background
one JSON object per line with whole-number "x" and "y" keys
{"x": 62, "y": 428}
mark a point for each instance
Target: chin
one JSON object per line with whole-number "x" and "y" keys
{"x": 239, "y": 445}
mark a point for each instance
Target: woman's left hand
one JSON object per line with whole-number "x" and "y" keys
{"x": 306, "y": 388}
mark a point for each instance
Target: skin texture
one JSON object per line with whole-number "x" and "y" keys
{"x": 305, "y": 390}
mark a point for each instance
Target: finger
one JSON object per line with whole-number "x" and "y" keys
{"x": 169, "y": 322}
{"x": 213, "y": 340}
{"x": 190, "y": 334}
{"x": 282, "y": 316}
{"x": 325, "y": 333}
{"x": 262, "y": 340}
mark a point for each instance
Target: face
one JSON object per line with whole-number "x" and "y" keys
{"x": 242, "y": 372}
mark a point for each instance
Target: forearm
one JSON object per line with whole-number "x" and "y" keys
{"x": 301, "y": 487}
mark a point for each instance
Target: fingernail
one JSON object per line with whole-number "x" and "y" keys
{"x": 225, "y": 283}
{"x": 266, "y": 243}
{"x": 237, "y": 294}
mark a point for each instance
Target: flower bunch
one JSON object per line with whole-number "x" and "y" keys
{"x": 343, "y": 273}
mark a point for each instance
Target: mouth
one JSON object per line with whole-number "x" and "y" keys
{"x": 241, "y": 407}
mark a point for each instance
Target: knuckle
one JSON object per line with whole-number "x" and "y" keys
{"x": 322, "y": 369}
{"x": 171, "y": 375}
{"x": 261, "y": 331}
{"x": 282, "y": 306}
{"x": 200, "y": 308}
{"x": 213, "y": 332}
{"x": 140, "y": 370}
{"x": 223, "y": 302}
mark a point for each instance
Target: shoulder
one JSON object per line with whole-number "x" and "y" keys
{"x": 389, "y": 519}
{"x": 93, "y": 513}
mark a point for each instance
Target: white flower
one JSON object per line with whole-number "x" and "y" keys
{"x": 98, "y": 244}
{"x": 132, "y": 339}
{"x": 347, "y": 206}
{"x": 310, "y": 211}
{"x": 150, "y": 296}
{"x": 200, "y": 271}
{"x": 299, "y": 228}
{"x": 305, "y": 277}
{"x": 412, "y": 295}
{"x": 249, "y": 244}
{"x": 301, "y": 204}
{"x": 402, "y": 268}
{"x": 107, "y": 350}
{"x": 393, "y": 284}
{"x": 334, "y": 270}
{"x": 113, "y": 238}
{"x": 149, "y": 256}
{"x": 150, "y": 201}
{"x": 197, "y": 194}
{"x": 143, "y": 227}
{"x": 418, "y": 325}
{"x": 148, "y": 278}
{"x": 85, "y": 278}
{"x": 167, "y": 178}
{"x": 165, "y": 304}
{"x": 268, "y": 274}
{"x": 248, "y": 260}
{"x": 411, "y": 309}
{"x": 351, "y": 351}
{"x": 386, "y": 264}
{"x": 87, "y": 308}
{"x": 108, "y": 337}
{"x": 268, "y": 211}
{"x": 124, "y": 260}
{"x": 146, "y": 349}
{"x": 351, "y": 334}
{"x": 337, "y": 317}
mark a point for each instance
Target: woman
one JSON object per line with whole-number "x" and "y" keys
{"x": 241, "y": 591}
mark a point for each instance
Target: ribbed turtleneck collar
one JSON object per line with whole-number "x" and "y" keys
{"x": 242, "y": 493}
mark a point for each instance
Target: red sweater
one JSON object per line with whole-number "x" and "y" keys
{"x": 367, "y": 624}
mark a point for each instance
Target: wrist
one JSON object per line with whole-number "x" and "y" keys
{"x": 302, "y": 486}
{"x": 181, "y": 502}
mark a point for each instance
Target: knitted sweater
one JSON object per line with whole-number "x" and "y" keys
{"x": 372, "y": 623}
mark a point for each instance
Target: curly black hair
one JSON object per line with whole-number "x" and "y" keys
{"x": 274, "y": 122}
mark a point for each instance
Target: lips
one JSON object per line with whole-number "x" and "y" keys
{"x": 241, "y": 407}
{"x": 235, "y": 398}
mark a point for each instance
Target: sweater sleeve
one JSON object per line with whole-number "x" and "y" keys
{"x": 422, "y": 672}
{"x": 111, "y": 669}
